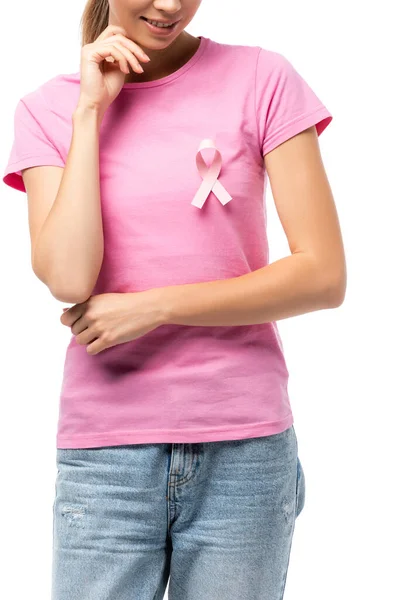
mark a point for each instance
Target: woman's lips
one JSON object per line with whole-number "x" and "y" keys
{"x": 160, "y": 30}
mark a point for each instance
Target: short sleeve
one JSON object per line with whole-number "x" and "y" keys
{"x": 31, "y": 146}
{"x": 285, "y": 103}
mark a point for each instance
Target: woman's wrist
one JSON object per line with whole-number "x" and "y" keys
{"x": 85, "y": 111}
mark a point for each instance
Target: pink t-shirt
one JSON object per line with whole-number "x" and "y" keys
{"x": 177, "y": 383}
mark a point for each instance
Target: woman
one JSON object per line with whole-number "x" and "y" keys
{"x": 145, "y": 175}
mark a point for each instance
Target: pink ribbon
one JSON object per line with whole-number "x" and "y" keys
{"x": 210, "y": 176}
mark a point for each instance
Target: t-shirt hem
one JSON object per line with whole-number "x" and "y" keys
{"x": 215, "y": 434}
{"x": 320, "y": 117}
{"x": 37, "y": 159}
{"x": 12, "y": 175}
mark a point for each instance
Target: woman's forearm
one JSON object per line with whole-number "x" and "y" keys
{"x": 285, "y": 288}
{"x": 69, "y": 250}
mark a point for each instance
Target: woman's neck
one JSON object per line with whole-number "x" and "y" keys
{"x": 166, "y": 61}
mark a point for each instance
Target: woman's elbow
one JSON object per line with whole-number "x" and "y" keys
{"x": 69, "y": 295}
{"x": 65, "y": 291}
{"x": 334, "y": 288}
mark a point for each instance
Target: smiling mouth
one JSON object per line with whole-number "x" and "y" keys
{"x": 163, "y": 25}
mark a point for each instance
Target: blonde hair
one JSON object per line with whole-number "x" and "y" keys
{"x": 94, "y": 20}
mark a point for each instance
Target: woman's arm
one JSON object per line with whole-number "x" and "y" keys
{"x": 67, "y": 248}
{"x": 313, "y": 277}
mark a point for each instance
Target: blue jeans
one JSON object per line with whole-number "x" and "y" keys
{"x": 214, "y": 520}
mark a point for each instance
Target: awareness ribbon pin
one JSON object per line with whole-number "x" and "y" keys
{"x": 210, "y": 176}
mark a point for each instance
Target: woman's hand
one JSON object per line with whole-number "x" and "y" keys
{"x": 106, "y": 320}
{"x": 104, "y": 64}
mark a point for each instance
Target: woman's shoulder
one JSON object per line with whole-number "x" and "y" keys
{"x": 54, "y": 92}
{"x": 248, "y": 55}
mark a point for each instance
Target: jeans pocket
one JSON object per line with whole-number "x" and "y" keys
{"x": 300, "y": 488}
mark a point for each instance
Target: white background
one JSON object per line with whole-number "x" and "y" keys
{"x": 343, "y": 362}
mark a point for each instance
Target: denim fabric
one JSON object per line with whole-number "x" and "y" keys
{"x": 214, "y": 520}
